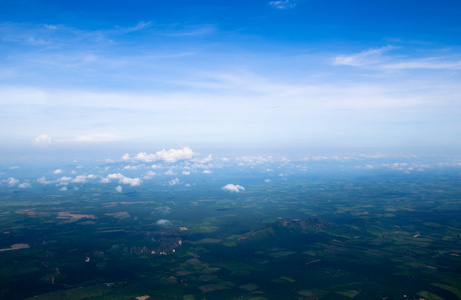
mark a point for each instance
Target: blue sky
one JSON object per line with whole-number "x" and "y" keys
{"x": 144, "y": 75}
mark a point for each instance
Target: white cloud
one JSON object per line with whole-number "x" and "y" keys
{"x": 398, "y": 166}
{"x": 364, "y": 58}
{"x": 430, "y": 63}
{"x": 122, "y": 179}
{"x": 149, "y": 175}
{"x": 64, "y": 180}
{"x": 80, "y": 179}
{"x": 233, "y": 188}
{"x": 374, "y": 58}
{"x": 207, "y": 171}
{"x": 24, "y": 185}
{"x": 12, "y": 181}
{"x": 115, "y": 176}
{"x": 92, "y": 138}
{"x": 43, "y": 180}
{"x": 169, "y": 156}
{"x": 57, "y": 171}
{"x": 42, "y": 140}
{"x": 267, "y": 180}
{"x": 185, "y": 173}
{"x": 132, "y": 167}
{"x": 119, "y": 189}
{"x": 254, "y": 160}
{"x": 64, "y": 188}
{"x": 283, "y": 4}
{"x": 170, "y": 172}
{"x": 163, "y": 222}
{"x": 174, "y": 181}
{"x": 204, "y": 160}
{"x": 141, "y": 25}
{"x": 131, "y": 181}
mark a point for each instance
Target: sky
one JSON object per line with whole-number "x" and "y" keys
{"x": 133, "y": 76}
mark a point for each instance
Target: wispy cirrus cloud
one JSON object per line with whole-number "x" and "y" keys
{"x": 199, "y": 30}
{"x": 365, "y": 58}
{"x": 376, "y": 58}
{"x": 283, "y": 4}
{"x": 428, "y": 63}
{"x": 92, "y": 138}
{"x": 141, "y": 25}
{"x": 45, "y": 139}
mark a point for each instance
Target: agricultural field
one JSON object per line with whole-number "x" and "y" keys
{"x": 381, "y": 236}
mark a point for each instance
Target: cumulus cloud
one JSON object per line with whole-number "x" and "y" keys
{"x": 12, "y": 181}
{"x": 64, "y": 180}
{"x": 185, "y": 173}
{"x": 119, "y": 188}
{"x": 204, "y": 160}
{"x": 132, "y": 167}
{"x": 207, "y": 171}
{"x": 267, "y": 180}
{"x": 115, "y": 176}
{"x": 57, "y": 171}
{"x": 254, "y": 160}
{"x": 43, "y": 180}
{"x": 80, "y": 179}
{"x": 163, "y": 222}
{"x": 64, "y": 188}
{"x": 174, "y": 181}
{"x": 42, "y": 140}
{"x": 170, "y": 172}
{"x": 233, "y": 188}
{"x": 169, "y": 156}
{"x": 24, "y": 185}
{"x": 131, "y": 181}
{"x": 122, "y": 179}
{"x": 149, "y": 175}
